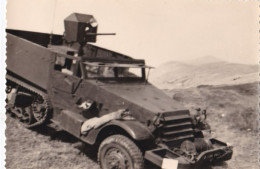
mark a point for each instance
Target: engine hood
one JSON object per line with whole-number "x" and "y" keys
{"x": 145, "y": 96}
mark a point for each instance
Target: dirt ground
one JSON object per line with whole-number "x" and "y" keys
{"x": 50, "y": 148}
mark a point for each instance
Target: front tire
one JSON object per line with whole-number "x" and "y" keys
{"x": 119, "y": 152}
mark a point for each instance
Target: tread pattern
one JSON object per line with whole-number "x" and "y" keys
{"x": 126, "y": 143}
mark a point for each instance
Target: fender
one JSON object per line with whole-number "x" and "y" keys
{"x": 135, "y": 129}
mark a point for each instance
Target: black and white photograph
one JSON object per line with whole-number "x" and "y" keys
{"x": 131, "y": 84}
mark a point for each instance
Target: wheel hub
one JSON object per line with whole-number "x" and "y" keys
{"x": 116, "y": 159}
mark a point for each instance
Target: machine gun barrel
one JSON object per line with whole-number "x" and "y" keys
{"x": 95, "y": 34}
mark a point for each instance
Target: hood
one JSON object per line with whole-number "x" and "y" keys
{"x": 145, "y": 96}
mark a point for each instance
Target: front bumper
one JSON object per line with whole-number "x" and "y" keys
{"x": 220, "y": 152}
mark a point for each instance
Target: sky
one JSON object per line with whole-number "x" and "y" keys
{"x": 158, "y": 31}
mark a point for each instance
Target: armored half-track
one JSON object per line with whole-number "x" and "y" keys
{"x": 103, "y": 98}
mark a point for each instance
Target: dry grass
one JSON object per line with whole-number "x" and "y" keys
{"x": 45, "y": 148}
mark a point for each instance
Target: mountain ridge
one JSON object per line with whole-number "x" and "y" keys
{"x": 202, "y": 71}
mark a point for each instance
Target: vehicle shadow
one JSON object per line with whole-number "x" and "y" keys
{"x": 56, "y": 134}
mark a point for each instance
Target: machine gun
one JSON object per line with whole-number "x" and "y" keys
{"x": 81, "y": 29}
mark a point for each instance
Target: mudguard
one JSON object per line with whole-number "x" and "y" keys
{"x": 134, "y": 128}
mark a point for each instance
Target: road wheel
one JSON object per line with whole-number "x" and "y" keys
{"x": 24, "y": 115}
{"x": 119, "y": 152}
{"x": 40, "y": 110}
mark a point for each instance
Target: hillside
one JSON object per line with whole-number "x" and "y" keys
{"x": 235, "y": 106}
{"x": 229, "y": 93}
{"x": 202, "y": 71}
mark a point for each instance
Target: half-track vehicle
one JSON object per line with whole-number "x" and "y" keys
{"x": 103, "y": 98}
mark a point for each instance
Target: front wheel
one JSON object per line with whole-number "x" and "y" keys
{"x": 119, "y": 152}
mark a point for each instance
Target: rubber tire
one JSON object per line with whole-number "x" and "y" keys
{"x": 126, "y": 144}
